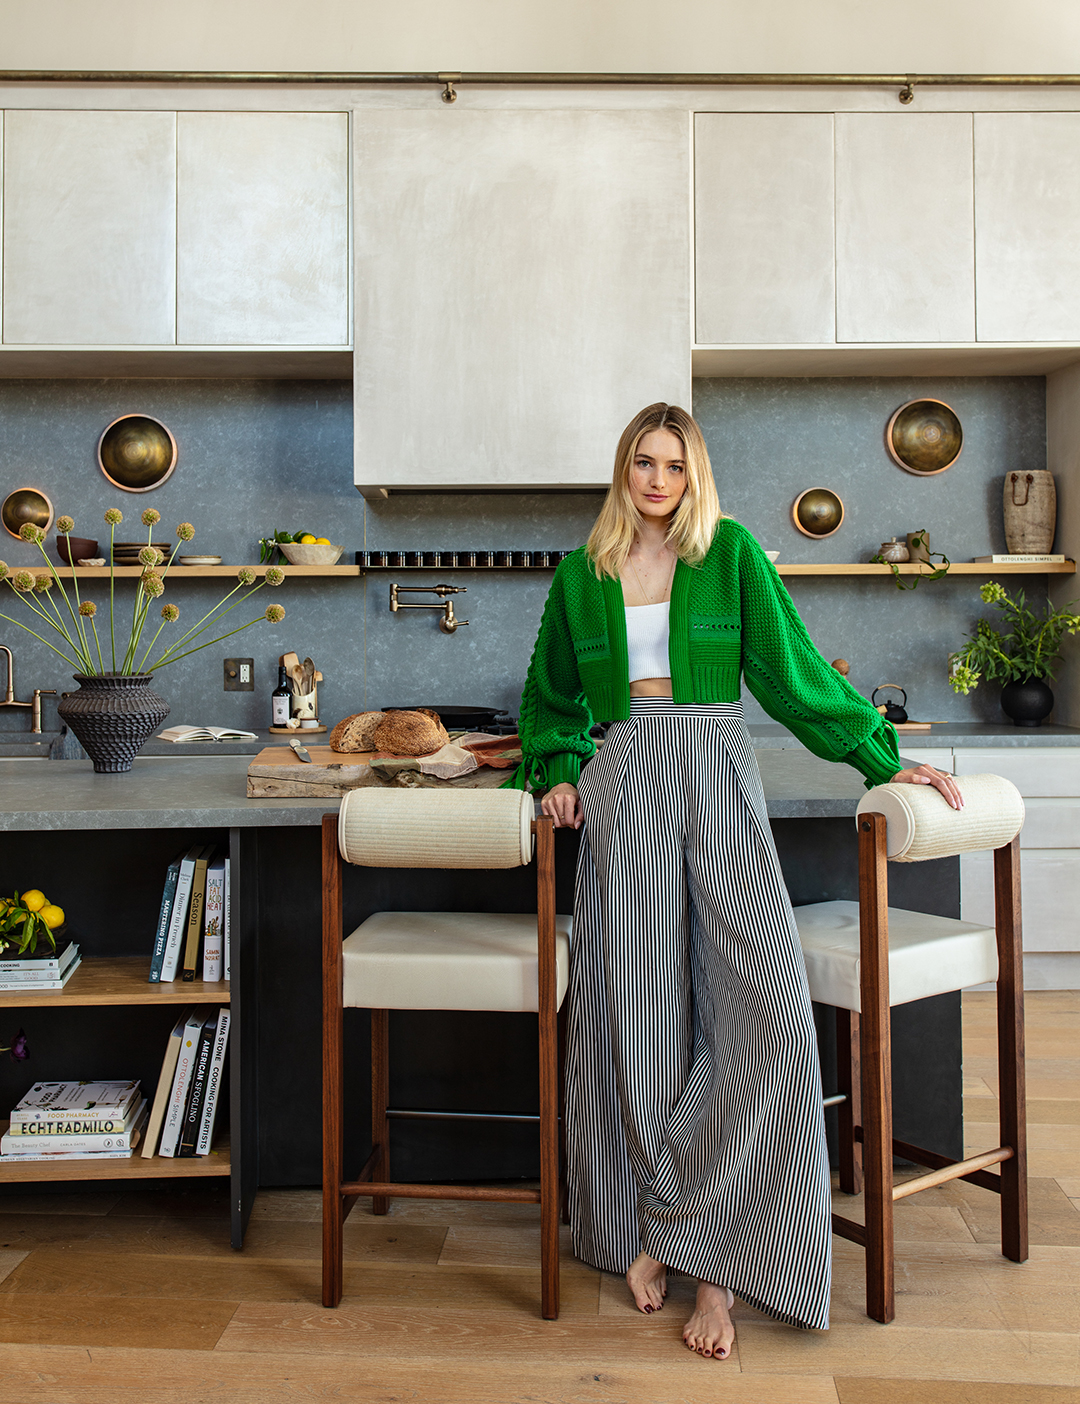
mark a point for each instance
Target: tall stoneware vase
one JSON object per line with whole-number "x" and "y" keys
{"x": 1030, "y": 504}
{"x": 113, "y": 715}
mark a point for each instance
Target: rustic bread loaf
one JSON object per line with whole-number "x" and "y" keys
{"x": 410, "y": 734}
{"x": 356, "y": 733}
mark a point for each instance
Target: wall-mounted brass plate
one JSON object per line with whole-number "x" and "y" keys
{"x": 137, "y": 453}
{"x": 26, "y": 505}
{"x": 818, "y": 512}
{"x": 924, "y": 437}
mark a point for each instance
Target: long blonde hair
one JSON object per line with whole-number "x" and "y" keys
{"x": 693, "y": 522}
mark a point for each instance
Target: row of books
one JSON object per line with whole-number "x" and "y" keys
{"x": 110, "y": 1120}
{"x": 194, "y": 918}
{"x": 76, "y": 1121}
{"x": 51, "y": 972}
{"x": 181, "y": 1121}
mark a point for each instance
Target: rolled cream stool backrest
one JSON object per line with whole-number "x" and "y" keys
{"x": 922, "y": 824}
{"x": 436, "y": 828}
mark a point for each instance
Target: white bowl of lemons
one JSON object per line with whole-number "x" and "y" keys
{"x": 310, "y": 551}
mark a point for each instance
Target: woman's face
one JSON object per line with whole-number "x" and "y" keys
{"x": 658, "y": 474}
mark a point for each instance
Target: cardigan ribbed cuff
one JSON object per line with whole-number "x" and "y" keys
{"x": 877, "y": 759}
{"x": 562, "y": 769}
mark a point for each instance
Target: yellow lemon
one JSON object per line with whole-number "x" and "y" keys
{"x": 52, "y": 916}
{"x": 322, "y": 541}
{"x": 34, "y": 900}
{"x": 307, "y": 539}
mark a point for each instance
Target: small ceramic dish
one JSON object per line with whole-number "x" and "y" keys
{"x": 772, "y": 555}
{"x": 296, "y": 554}
{"x": 199, "y": 560}
{"x": 92, "y": 561}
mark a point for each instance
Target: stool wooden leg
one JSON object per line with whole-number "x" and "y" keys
{"x": 849, "y": 1082}
{"x": 332, "y": 1068}
{"x": 564, "y": 1192}
{"x": 876, "y": 1056}
{"x": 549, "y": 1069}
{"x": 1010, "y": 1030}
{"x": 380, "y": 1100}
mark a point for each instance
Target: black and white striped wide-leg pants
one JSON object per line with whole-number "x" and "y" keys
{"x": 693, "y": 1102}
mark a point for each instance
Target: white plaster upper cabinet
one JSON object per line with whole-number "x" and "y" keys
{"x": 905, "y": 238}
{"x": 89, "y": 228}
{"x": 262, "y": 229}
{"x": 522, "y": 290}
{"x": 1027, "y": 225}
{"x": 763, "y": 215}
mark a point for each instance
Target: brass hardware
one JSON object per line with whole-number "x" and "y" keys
{"x": 137, "y": 453}
{"x": 817, "y": 512}
{"x": 906, "y": 93}
{"x": 448, "y": 93}
{"x": 39, "y": 693}
{"x": 9, "y": 694}
{"x": 449, "y": 623}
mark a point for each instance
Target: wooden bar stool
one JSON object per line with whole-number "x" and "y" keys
{"x": 437, "y": 960}
{"x": 863, "y": 957}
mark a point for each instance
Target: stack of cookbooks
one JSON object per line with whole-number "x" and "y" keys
{"x": 40, "y": 972}
{"x": 192, "y": 1072}
{"x": 76, "y": 1121}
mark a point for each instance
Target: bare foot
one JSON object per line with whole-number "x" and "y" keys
{"x": 647, "y": 1279}
{"x": 709, "y": 1331}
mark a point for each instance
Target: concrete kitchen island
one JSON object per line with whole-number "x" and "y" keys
{"x": 99, "y": 845}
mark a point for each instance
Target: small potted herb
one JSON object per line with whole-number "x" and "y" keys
{"x": 1022, "y": 655}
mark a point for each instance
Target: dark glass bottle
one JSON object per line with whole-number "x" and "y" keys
{"x": 281, "y": 699}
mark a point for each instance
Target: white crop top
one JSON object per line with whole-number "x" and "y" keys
{"x": 647, "y": 641}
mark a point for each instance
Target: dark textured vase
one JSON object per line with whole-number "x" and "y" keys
{"x": 113, "y": 716}
{"x": 1028, "y": 703}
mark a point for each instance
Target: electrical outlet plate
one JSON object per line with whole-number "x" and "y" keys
{"x": 239, "y": 675}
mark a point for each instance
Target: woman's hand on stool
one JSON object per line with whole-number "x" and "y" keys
{"x": 563, "y": 805}
{"x": 927, "y": 775}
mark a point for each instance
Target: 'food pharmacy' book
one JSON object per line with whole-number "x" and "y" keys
{"x": 59, "y": 1101}
{"x": 33, "y": 1147}
{"x": 205, "y": 733}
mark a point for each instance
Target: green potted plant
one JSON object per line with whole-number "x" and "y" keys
{"x": 115, "y": 710}
{"x": 1022, "y": 655}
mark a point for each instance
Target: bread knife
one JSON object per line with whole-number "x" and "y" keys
{"x": 301, "y": 751}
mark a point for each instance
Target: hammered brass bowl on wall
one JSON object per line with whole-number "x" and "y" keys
{"x": 137, "y": 453}
{"x": 817, "y": 512}
{"x": 26, "y": 505}
{"x": 924, "y": 437}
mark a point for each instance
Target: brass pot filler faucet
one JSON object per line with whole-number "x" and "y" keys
{"x": 449, "y": 623}
{"x": 9, "y": 694}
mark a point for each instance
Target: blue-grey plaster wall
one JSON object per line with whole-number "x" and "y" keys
{"x": 255, "y": 455}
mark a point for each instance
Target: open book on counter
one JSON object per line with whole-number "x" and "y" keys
{"x": 205, "y": 733}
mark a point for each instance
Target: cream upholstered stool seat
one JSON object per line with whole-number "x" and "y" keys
{"x": 438, "y": 960}
{"x": 864, "y": 957}
{"x": 928, "y": 955}
{"x": 450, "y": 960}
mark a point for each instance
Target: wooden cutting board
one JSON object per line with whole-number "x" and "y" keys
{"x": 277, "y": 772}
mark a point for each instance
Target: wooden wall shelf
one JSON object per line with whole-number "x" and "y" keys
{"x": 913, "y": 568}
{"x": 158, "y": 1167}
{"x": 178, "y": 572}
{"x": 118, "y": 980}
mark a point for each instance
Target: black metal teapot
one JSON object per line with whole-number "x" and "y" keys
{"x": 891, "y": 711}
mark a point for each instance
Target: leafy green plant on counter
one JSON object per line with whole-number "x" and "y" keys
{"x": 919, "y": 539}
{"x": 1029, "y": 647}
{"x": 74, "y": 618}
{"x": 268, "y": 545}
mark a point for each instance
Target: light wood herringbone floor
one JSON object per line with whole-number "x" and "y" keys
{"x": 136, "y": 1298}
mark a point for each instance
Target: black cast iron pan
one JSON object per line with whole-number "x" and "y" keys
{"x": 460, "y": 718}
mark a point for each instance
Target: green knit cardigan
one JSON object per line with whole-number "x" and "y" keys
{"x": 730, "y": 615}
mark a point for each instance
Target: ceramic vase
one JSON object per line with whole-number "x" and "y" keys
{"x": 1028, "y": 703}
{"x": 113, "y": 715}
{"x": 1030, "y": 502}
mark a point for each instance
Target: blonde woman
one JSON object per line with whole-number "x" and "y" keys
{"x": 695, "y": 1138}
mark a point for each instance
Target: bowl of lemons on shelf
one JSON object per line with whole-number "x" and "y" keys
{"x": 306, "y": 549}
{"x": 27, "y": 919}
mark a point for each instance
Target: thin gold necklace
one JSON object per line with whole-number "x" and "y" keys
{"x": 644, "y": 592}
